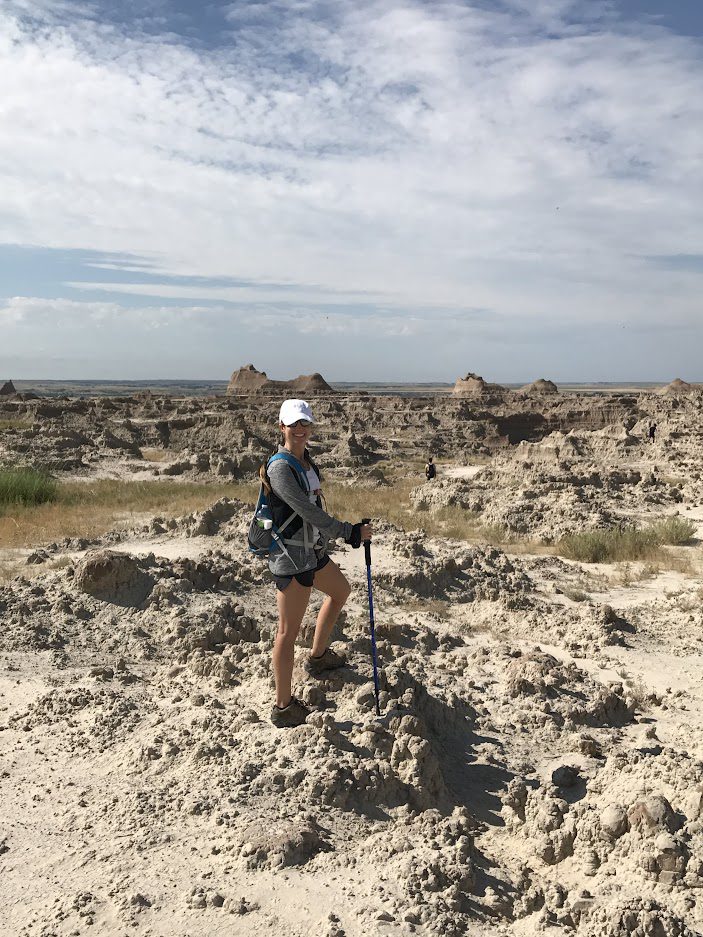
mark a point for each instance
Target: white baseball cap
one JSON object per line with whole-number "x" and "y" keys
{"x": 294, "y": 410}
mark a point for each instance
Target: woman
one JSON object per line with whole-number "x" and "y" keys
{"x": 296, "y": 503}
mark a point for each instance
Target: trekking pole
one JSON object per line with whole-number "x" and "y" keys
{"x": 367, "y": 554}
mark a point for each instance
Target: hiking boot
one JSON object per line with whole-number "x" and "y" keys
{"x": 294, "y": 714}
{"x": 330, "y": 660}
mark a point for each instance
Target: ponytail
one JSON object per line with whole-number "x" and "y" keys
{"x": 264, "y": 479}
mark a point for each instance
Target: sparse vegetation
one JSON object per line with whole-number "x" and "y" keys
{"x": 393, "y": 504}
{"x": 575, "y": 594}
{"x": 674, "y": 530}
{"x": 622, "y": 544}
{"x": 157, "y": 455}
{"x": 639, "y": 693}
{"x": 25, "y": 486}
{"x": 454, "y": 522}
{"x": 35, "y": 509}
{"x": 14, "y": 424}
{"x": 350, "y": 502}
{"x": 88, "y": 510}
{"x": 628, "y": 573}
{"x": 608, "y": 546}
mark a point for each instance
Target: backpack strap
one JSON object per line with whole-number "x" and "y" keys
{"x": 302, "y": 478}
{"x": 300, "y": 472}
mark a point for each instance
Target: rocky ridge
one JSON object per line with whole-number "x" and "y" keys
{"x": 228, "y": 437}
{"x": 248, "y": 380}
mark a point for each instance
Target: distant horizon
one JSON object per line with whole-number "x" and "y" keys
{"x": 333, "y": 381}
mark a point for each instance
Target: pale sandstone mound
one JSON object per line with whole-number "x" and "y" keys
{"x": 248, "y": 380}
{"x": 635, "y": 917}
{"x": 677, "y": 386}
{"x": 291, "y": 843}
{"x": 456, "y": 572}
{"x": 353, "y": 451}
{"x": 113, "y": 577}
{"x": 310, "y": 384}
{"x": 473, "y": 385}
{"x": 541, "y": 386}
{"x": 7, "y": 388}
{"x": 607, "y": 446}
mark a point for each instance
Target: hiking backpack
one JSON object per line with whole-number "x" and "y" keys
{"x": 264, "y": 536}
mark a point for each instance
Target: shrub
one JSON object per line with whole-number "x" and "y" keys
{"x": 675, "y": 530}
{"x": 576, "y": 595}
{"x": 620, "y": 544}
{"x": 26, "y": 486}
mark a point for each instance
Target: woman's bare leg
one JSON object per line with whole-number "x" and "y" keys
{"x": 332, "y": 581}
{"x": 292, "y": 603}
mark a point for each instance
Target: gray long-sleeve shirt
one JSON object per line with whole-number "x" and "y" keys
{"x": 304, "y": 554}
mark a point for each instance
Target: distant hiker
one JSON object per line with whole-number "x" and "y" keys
{"x": 301, "y": 560}
{"x": 430, "y": 470}
{"x": 652, "y": 431}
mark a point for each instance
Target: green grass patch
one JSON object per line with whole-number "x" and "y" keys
{"x": 618, "y": 545}
{"x": 26, "y": 486}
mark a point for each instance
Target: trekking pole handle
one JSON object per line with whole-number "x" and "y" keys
{"x": 367, "y": 543}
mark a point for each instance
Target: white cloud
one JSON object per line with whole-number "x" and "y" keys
{"x": 68, "y": 339}
{"x": 48, "y": 9}
{"x": 436, "y": 155}
{"x": 70, "y": 317}
{"x": 56, "y": 337}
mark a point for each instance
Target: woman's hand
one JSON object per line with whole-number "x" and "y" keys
{"x": 359, "y": 533}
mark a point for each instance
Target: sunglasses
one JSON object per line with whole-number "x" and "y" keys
{"x": 302, "y": 423}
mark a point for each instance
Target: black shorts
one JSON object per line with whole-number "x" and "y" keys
{"x": 305, "y": 579}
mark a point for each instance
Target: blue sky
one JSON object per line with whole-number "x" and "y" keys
{"x": 376, "y": 190}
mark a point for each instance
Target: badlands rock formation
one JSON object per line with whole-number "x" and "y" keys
{"x": 227, "y": 436}
{"x": 540, "y": 386}
{"x": 473, "y": 385}
{"x": 568, "y": 483}
{"x": 677, "y": 386}
{"x": 537, "y": 766}
{"x": 248, "y": 380}
{"x": 7, "y": 388}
